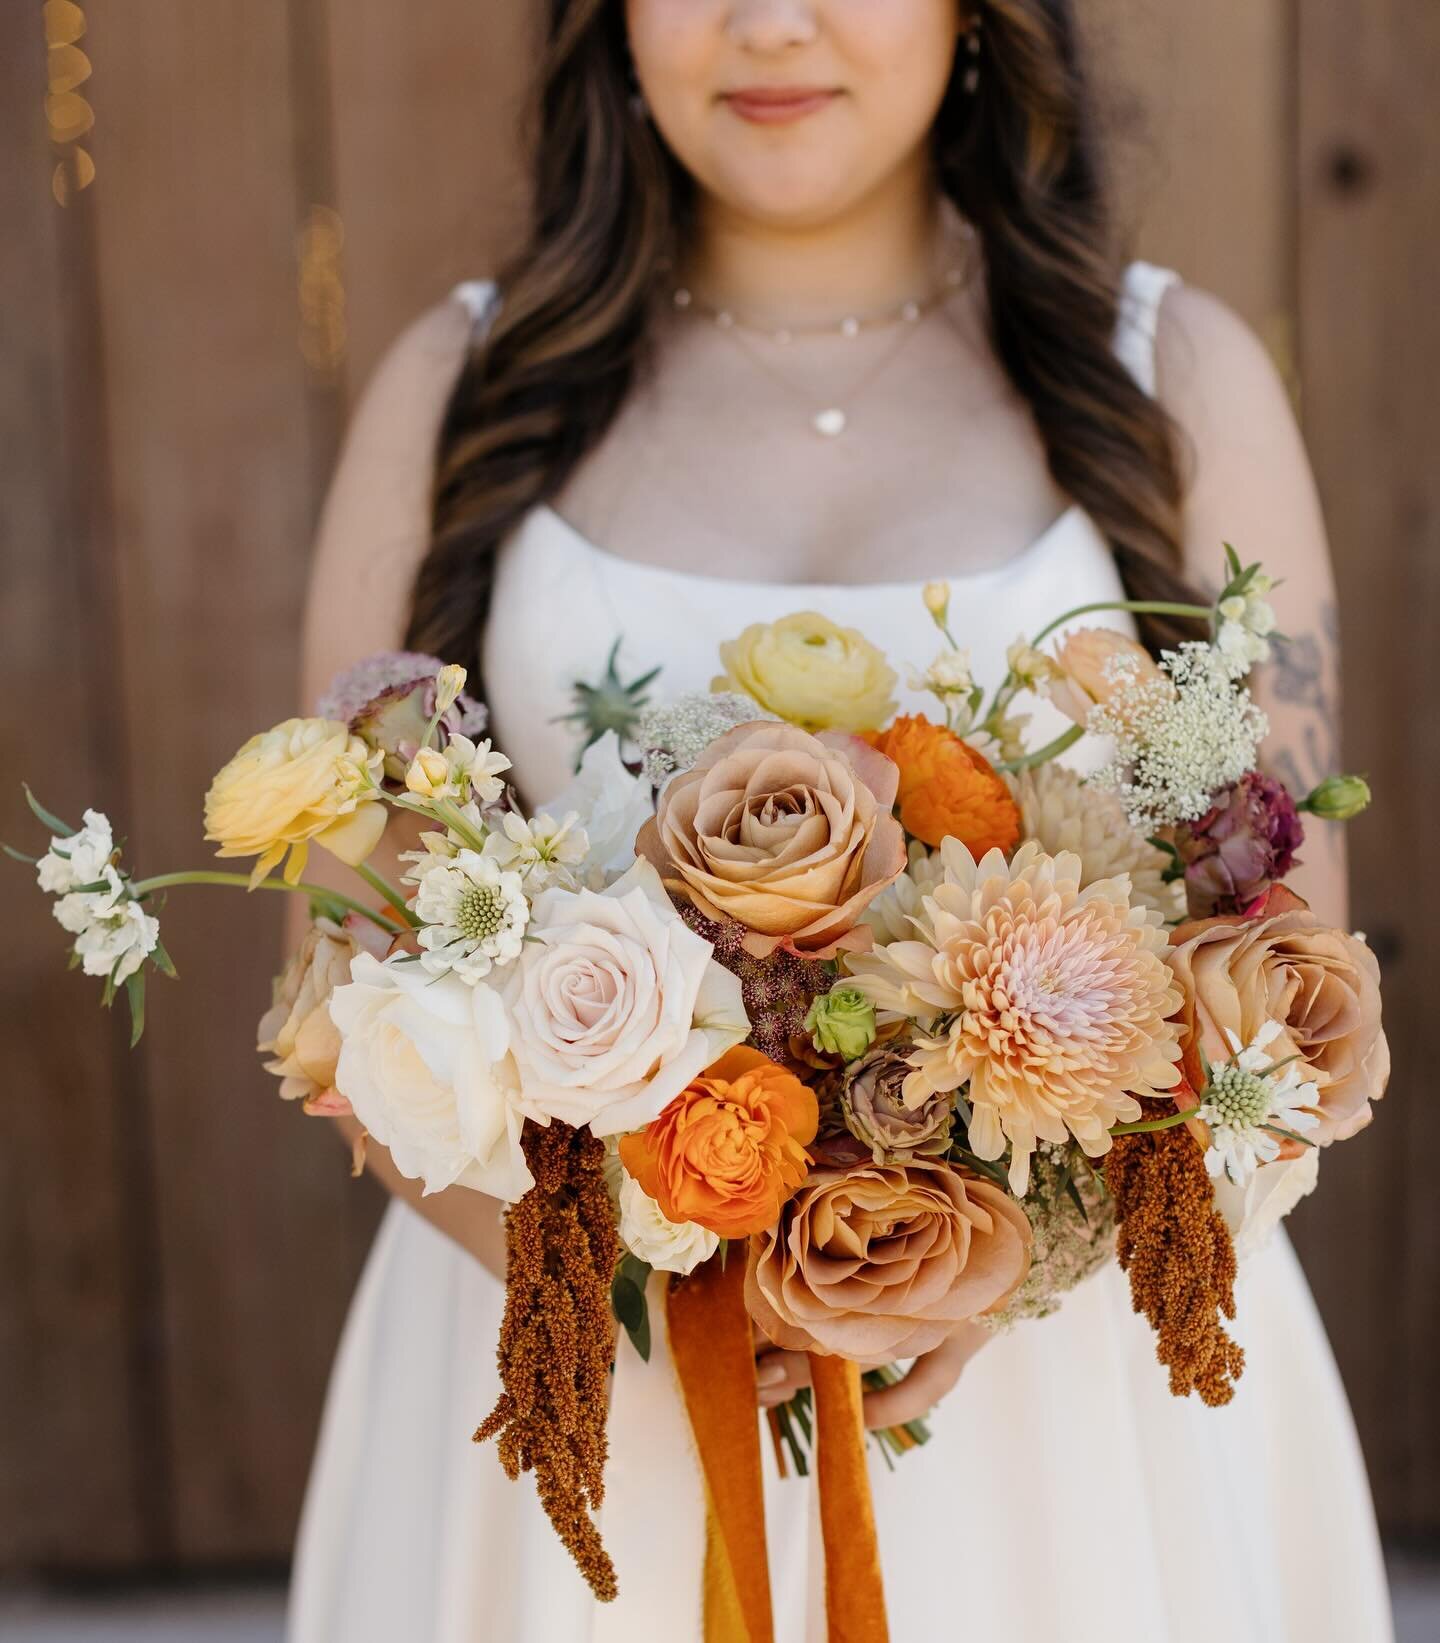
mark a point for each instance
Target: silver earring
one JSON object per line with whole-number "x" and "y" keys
{"x": 970, "y": 80}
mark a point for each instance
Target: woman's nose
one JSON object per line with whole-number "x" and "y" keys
{"x": 772, "y": 25}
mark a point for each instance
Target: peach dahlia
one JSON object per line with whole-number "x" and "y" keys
{"x": 1051, "y": 1002}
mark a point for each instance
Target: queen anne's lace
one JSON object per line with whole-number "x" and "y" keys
{"x": 1179, "y": 738}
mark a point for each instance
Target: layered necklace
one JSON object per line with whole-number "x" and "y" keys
{"x": 832, "y": 418}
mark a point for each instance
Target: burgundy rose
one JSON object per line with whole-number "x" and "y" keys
{"x": 1245, "y": 843}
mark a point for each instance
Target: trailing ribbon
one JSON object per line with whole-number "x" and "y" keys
{"x": 714, "y": 1353}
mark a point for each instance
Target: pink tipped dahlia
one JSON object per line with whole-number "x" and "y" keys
{"x": 1051, "y": 1001}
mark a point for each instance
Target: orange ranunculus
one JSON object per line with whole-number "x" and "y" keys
{"x": 729, "y": 1150}
{"x": 947, "y": 789}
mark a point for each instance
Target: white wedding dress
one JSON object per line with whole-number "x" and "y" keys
{"x": 1065, "y": 1495}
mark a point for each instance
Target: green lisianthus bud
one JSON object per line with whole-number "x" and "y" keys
{"x": 1339, "y": 798}
{"x": 842, "y": 1022}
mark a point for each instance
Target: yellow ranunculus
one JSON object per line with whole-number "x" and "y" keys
{"x": 807, "y": 670}
{"x": 305, "y": 779}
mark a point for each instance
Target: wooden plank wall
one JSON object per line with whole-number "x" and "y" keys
{"x": 281, "y": 185}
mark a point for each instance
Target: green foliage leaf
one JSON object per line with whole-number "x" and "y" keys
{"x": 19, "y": 855}
{"x": 164, "y": 963}
{"x": 51, "y": 820}
{"x": 135, "y": 993}
{"x": 629, "y": 1303}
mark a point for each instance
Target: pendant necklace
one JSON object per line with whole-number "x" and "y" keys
{"x": 831, "y": 419}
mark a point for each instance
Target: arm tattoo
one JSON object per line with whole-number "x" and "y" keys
{"x": 1298, "y": 677}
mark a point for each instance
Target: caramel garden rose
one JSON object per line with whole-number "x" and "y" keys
{"x": 786, "y": 833}
{"x": 886, "y": 1261}
{"x": 807, "y": 670}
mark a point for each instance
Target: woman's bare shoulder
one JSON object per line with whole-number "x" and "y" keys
{"x": 1249, "y": 479}
{"x": 375, "y": 525}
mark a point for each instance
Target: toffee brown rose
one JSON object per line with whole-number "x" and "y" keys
{"x": 1321, "y": 984}
{"x": 787, "y": 833}
{"x": 885, "y": 1261}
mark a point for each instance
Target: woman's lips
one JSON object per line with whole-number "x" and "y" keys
{"x": 778, "y": 105}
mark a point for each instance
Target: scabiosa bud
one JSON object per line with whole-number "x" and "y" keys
{"x": 1339, "y": 798}
{"x": 1246, "y": 842}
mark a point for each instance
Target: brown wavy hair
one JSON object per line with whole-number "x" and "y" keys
{"x": 1018, "y": 157}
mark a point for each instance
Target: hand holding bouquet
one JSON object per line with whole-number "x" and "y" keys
{"x": 857, "y": 1027}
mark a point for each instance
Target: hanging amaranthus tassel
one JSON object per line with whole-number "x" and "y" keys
{"x": 557, "y": 1340}
{"x": 1177, "y": 1250}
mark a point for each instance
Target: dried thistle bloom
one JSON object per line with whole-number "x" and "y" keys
{"x": 1177, "y": 1249}
{"x": 557, "y": 1340}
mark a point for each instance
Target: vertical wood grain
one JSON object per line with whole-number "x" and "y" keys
{"x": 77, "y": 1381}
{"x": 211, "y": 425}
{"x": 1197, "y": 105}
{"x": 427, "y": 102}
{"x": 1369, "y": 271}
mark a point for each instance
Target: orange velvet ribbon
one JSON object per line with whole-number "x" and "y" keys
{"x": 713, "y": 1349}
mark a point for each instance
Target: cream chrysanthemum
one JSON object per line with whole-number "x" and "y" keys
{"x": 1051, "y": 1001}
{"x": 891, "y": 912}
{"x": 1061, "y": 812}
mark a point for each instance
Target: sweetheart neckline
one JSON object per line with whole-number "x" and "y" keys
{"x": 1005, "y": 568}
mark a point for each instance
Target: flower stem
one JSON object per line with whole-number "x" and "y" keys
{"x": 447, "y": 811}
{"x": 383, "y": 887}
{"x": 1151, "y": 1125}
{"x": 1051, "y": 750}
{"x": 1136, "y": 607}
{"x": 241, "y": 881}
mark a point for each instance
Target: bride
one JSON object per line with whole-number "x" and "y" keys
{"x": 819, "y": 305}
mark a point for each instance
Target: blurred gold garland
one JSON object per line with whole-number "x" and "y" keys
{"x": 68, "y": 114}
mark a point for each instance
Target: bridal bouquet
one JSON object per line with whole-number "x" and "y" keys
{"x": 854, "y": 1027}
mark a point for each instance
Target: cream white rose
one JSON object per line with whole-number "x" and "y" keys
{"x": 424, "y": 1061}
{"x": 615, "y": 1005}
{"x": 668, "y": 1246}
{"x": 1252, "y": 1212}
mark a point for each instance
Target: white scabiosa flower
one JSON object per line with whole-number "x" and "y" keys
{"x": 80, "y": 859}
{"x": 473, "y": 914}
{"x": 668, "y": 1246}
{"x": 114, "y": 934}
{"x": 542, "y": 851}
{"x": 1247, "y": 1100}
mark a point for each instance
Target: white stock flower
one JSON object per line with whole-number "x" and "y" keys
{"x": 543, "y": 852}
{"x": 80, "y": 859}
{"x": 424, "y": 1063}
{"x": 464, "y": 771}
{"x": 1253, "y": 1212}
{"x": 616, "y": 1005}
{"x": 668, "y": 1246}
{"x": 114, "y": 935}
{"x": 1244, "y": 1102}
{"x": 473, "y": 913}
{"x": 1246, "y": 622}
{"x": 948, "y": 675}
{"x": 614, "y": 805}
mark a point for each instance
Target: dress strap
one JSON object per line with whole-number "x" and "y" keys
{"x": 481, "y": 298}
{"x": 1142, "y": 292}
